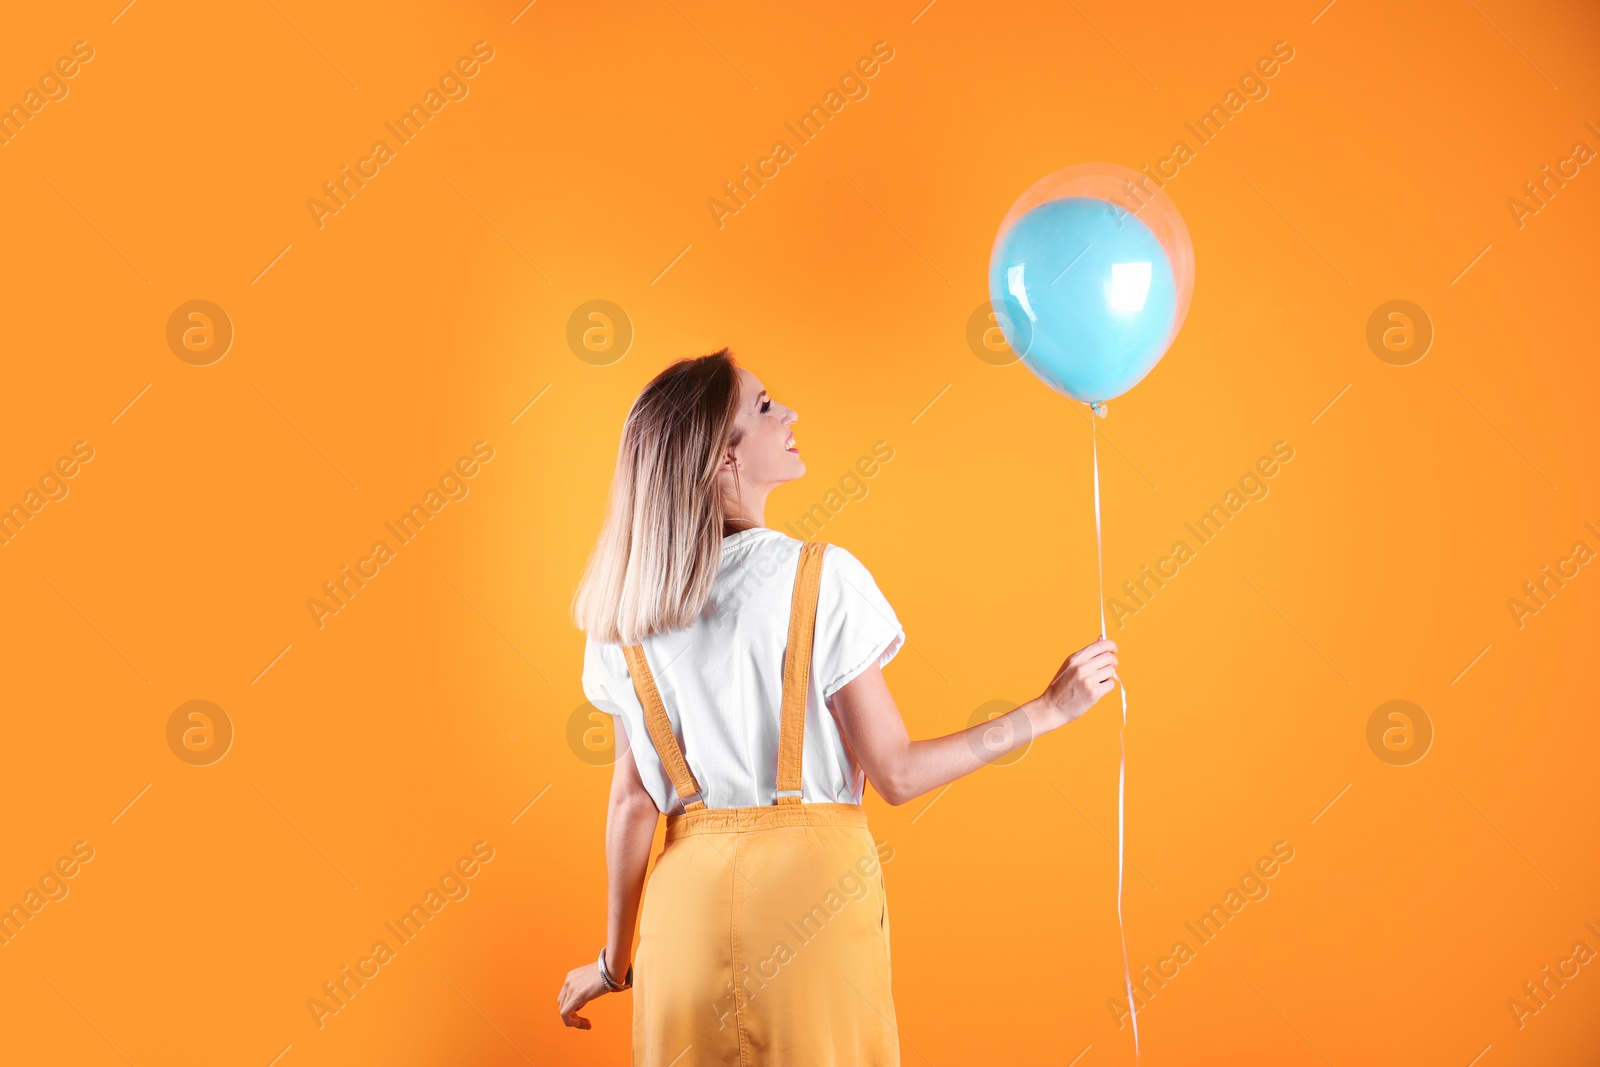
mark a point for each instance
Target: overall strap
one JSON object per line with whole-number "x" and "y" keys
{"x": 797, "y": 669}
{"x": 660, "y": 727}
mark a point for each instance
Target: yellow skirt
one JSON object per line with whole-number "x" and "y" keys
{"x": 764, "y": 940}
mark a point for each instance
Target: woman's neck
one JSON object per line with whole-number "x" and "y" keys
{"x": 733, "y": 524}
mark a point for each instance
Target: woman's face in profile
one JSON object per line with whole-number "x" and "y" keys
{"x": 766, "y": 452}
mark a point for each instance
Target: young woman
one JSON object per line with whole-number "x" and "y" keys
{"x": 746, "y": 668}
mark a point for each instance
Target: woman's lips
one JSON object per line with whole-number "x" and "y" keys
{"x": 792, "y": 447}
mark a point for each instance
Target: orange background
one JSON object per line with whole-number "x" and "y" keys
{"x": 432, "y": 711}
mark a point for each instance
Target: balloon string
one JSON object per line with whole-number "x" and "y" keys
{"x": 1122, "y": 741}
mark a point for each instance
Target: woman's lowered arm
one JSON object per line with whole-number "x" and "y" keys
{"x": 631, "y": 818}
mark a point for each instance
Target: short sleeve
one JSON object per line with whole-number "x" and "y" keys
{"x": 608, "y": 687}
{"x": 596, "y": 675}
{"x": 856, "y": 627}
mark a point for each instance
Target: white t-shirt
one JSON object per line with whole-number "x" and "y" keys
{"x": 721, "y": 678}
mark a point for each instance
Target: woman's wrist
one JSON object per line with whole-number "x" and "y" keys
{"x": 617, "y": 966}
{"x": 1044, "y": 715}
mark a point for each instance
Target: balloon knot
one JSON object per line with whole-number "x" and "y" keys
{"x": 1098, "y": 409}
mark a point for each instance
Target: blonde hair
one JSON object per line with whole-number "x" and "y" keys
{"x": 660, "y": 544}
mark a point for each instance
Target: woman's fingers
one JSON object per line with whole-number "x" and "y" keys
{"x": 1098, "y": 659}
{"x": 1101, "y": 681}
{"x": 1092, "y": 650}
{"x": 1093, "y": 670}
{"x": 1084, "y": 677}
{"x": 568, "y": 1001}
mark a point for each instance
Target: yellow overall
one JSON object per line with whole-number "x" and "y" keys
{"x": 764, "y": 934}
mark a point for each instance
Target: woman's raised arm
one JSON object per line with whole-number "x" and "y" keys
{"x": 901, "y": 769}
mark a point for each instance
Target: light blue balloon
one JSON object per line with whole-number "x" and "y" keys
{"x": 1085, "y": 295}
